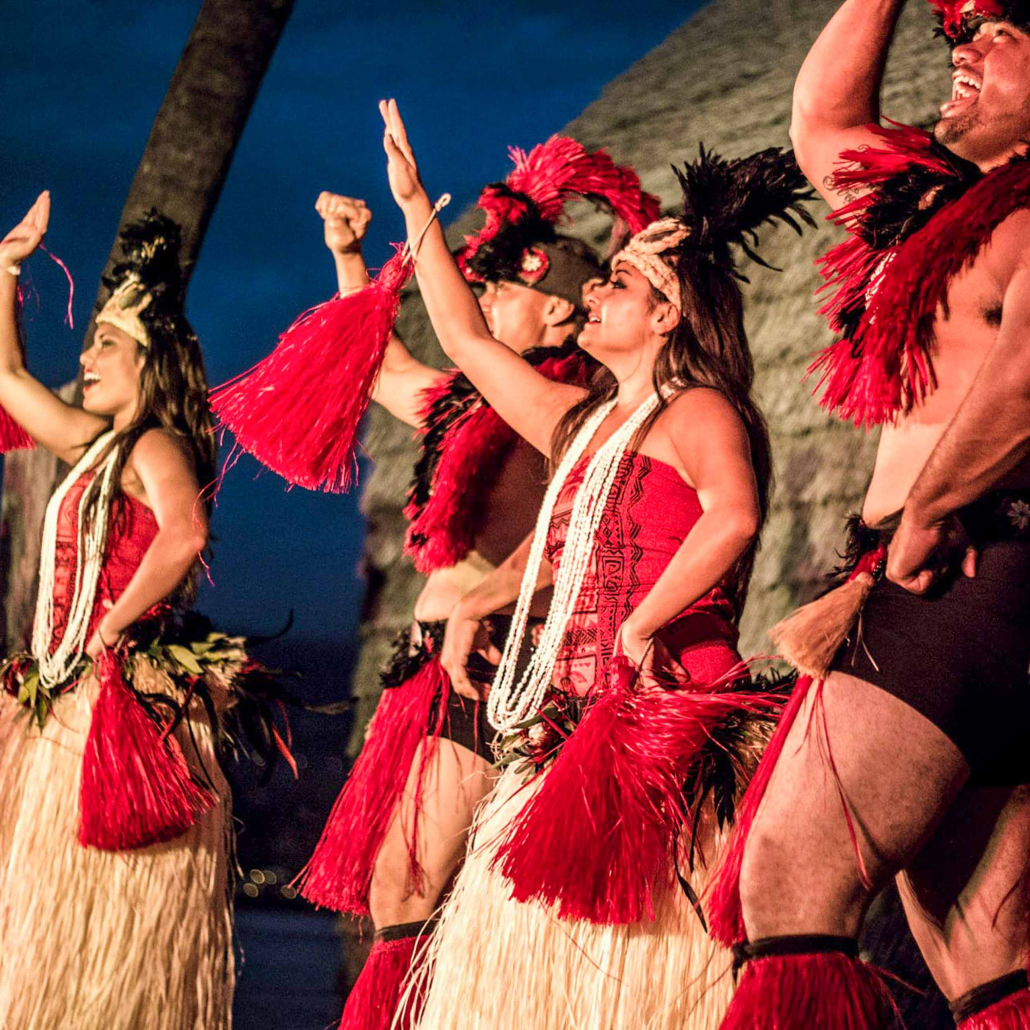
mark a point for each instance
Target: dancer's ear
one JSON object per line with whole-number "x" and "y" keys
{"x": 665, "y": 318}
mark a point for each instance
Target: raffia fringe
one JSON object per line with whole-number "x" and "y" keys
{"x": 494, "y": 962}
{"x": 1011, "y": 1013}
{"x": 820, "y": 991}
{"x": 811, "y": 636}
{"x": 96, "y": 940}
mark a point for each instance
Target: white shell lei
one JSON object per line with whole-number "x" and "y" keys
{"x": 508, "y": 703}
{"x": 56, "y": 667}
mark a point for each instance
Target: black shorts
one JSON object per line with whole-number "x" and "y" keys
{"x": 960, "y": 657}
{"x": 465, "y": 722}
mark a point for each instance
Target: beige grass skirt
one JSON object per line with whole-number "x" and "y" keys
{"x": 496, "y": 963}
{"x": 98, "y": 940}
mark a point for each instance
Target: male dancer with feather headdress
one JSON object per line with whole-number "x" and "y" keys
{"x": 906, "y": 755}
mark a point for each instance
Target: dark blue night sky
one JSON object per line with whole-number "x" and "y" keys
{"x": 82, "y": 83}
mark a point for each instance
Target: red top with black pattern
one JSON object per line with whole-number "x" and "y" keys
{"x": 649, "y": 514}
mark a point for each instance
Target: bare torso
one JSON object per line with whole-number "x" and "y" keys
{"x": 962, "y": 342}
{"x": 511, "y": 512}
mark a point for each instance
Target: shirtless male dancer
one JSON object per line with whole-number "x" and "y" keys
{"x": 397, "y": 834}
{"x": 906, "y": 754}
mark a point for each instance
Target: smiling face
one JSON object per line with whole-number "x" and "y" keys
{"x": 111, "y": 373}
{"x": 623, "y": 317}
{"x": 987, "y": 119}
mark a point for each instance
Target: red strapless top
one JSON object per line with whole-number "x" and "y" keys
{"x": 648, "y": 515}
{"x": 130, "y": 532}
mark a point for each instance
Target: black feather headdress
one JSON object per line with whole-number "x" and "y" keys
{"x": 725, "y": 203}
{"x": 148, "y": 278}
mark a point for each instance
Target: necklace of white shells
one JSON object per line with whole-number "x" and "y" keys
{"x": 510, "y": 703}
{"x": 56, "y": 666}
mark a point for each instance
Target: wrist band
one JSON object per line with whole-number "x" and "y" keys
{"x": 14, "y": 269}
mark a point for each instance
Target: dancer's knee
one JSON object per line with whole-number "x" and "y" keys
{"x": 785, "y": 889}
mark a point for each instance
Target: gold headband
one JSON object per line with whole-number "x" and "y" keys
{"x": 123, "y": 308}
{"x": 644, "y": 252}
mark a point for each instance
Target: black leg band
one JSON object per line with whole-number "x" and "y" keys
{"x": 988, "y": 994}
{"x": 794, "y": 944}
{"x": 401, "y": 930}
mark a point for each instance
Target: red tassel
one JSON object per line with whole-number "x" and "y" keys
{"x": 725, "y": 915}
{"x": 340, "y": 870}
{"x": 136, "y": 786}
{"x": 597, "y": 838}
{"x": 1011, "y": 1013}
{"x": 824, "y": 991}
{"x": 12, "y": 436}
{"x": 299, "y": 411}
{"x": 379, "y": 999}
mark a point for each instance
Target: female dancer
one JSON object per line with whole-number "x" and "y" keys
{"x": 627, "y": 735}
{"x": 114, "y": 907}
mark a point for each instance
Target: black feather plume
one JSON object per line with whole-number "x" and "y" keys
{"x": 150, "y": 256}
{"x": 726, "y": 202}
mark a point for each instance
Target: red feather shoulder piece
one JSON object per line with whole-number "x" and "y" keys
{"x": 889, "y": 285}
{"x": 464, "y": 442}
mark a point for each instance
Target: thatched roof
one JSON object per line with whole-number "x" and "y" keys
{"x": 724, "y": 77}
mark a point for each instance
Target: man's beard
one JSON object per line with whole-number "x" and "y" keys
{"x": 949, "y": 131}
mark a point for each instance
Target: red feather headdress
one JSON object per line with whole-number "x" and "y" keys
{"x": 956, "y": 15}
{"x": 524, "y": 211}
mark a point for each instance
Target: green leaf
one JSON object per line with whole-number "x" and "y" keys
{"x": 185, "y": 657}
{"x": 31, "y": 686}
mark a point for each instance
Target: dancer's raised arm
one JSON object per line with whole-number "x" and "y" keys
{"x": 528, "y": 401}
{"x": 837, "y": 93}
{"x": 403, "y": 378}
{"x": 57, "y": 426}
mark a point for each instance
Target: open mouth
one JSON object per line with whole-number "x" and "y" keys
{"x": 89, "y": 379}
{"x": 593, "y": 319}
{"x": 965, "y": 90}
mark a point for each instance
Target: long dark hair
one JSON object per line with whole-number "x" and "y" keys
{"x": 173, "y": 388}
{"x": 723, "y": 204}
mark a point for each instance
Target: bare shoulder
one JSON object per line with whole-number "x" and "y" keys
{"x": 697, "y": 407}
{"x": 160, "y": 450}
{"x": 1009, "y": 249}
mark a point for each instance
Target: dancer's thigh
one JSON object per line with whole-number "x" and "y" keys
{"x": 852, "y": 744}
{"x": 967, "y": 891}
{"x": 453, "y": 783}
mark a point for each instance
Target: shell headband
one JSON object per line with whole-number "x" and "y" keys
{"x": 644, "y": 252}
{"x": 123, "y": 309}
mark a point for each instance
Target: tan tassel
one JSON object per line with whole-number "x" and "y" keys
{"x": 811, "y": 636}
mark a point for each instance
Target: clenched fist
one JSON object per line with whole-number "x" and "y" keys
{"x": 346, "y": 222}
